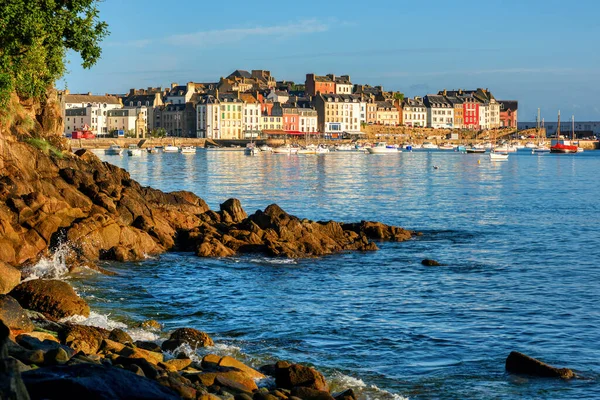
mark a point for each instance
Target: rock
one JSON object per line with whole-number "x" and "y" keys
{"x": 90, "y": 381}
{"x": 289, "y": 376}
{"x": 150, "y": 356}
{"x": 13, "y": 315}
{"x": 9, "y": 277}
{"x": 149, "y": 369}
{"x": 218, "y": 363}
{"x": 242, "y": 396}
{"x": 347, "y": 394}
{"x": 176, "y": 383}
{"x": 520, "y": 363}
{"x": 53, "y": 298}
{"x": 119, "y": 335}
{"x": 151, "y": 325}
{"x": 26, "y": 356}
{"x": 11, "y": 385}
{"x": 110, "y": 346}
{"x": 233, "y": 209}
{"x": 176, "y": 364}
{"x": 236, "y": 385}
{"x": 306, "y": 393}
{"x": 430, "y": 263}
{"x": 150, "y": 346}
{"x": 192, "y": 337}
{"x": 35, "y": 337}
{"x": 56, "y": 356}
{"x": 86, "y": 339}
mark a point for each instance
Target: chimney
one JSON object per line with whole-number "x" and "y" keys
{"x": 217, "y": 93}
{"x": 445, "y": 92}
{"x": 131, "y": 92}
{"x": 173, "y": 84}
{"x": 89, "y": 93}
{"x": 190, "y": 86}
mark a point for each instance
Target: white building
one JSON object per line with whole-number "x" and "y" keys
{"x": 343, "y": 85}
{"x": 278, "y": 96}
{"x": 440, "y": 112}
{"x": 251, "y": 115}
{"x": 484, "y": 116}
{"x": 338, "y": 113}
{"x": 414, "y": 112}
{"x": 87, "y": 110}
{"x": 208, "y": 114}
{"x": 180, "y": 94}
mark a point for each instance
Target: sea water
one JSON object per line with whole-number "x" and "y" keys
{"x": 518, "y": 240}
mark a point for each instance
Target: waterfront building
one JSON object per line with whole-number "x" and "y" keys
{"x": 338, "y": 113}
{"x": 508, "y": 113}
{"x": 91, "y": 111}
{"x": 176, "y": 119}
{"x": 484, "y": 116}
{"x": 132, "y": 121}
{"x": 232, "y": 121}
{"x": 457, "y": 103}
{"x": 180, "y": 94}
{"x": 440, "y": 112}
{"x": 308, "y": 120}
{"x": 208, "y": 117}
{"x": 371, "y": 110}
{"x": 252, "y": 115}
{"x": 342, "y": 84}
{"x": 414, "y": 112}
{"x": 387, "y": 114}
{"x": 151, "y": 98}
{"x": 470, "y": 113}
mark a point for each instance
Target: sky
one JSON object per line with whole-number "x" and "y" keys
{"x": 543, "y": 53}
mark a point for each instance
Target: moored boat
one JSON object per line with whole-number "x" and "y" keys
{"x": 429, "y": 146}
{"x": 113, "y": 150}
{"x": 188, "y": 150}
{"x": 151, "y": 150}
{"x": 382, "y": 148}
{"x": 475, "y": 150}
{"x": 251, "y": 149}
{"x": 171, "y": 149}
{"x": 133, "y": 150}
{"x": 562, "y": 146}
{"x": 286, "y": 149}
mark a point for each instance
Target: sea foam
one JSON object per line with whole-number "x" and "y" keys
{"x": 341, "y": 381}
{"x": 53, "y": 267}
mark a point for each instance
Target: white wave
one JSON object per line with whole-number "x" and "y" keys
{"x": 54, "y": 267}
{"x": 142, "y": 334}
{"x": 96, "y": 319}
{"x": 276, "y": 261}
{"x": 186, "y": 349}
{"x": 266, "y": 382}
{"x": 363, "y": 391}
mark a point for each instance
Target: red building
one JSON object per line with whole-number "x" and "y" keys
{"x": 470, "y": 113}
{"x": 508, "y": 113}
{"x": 291, "y": 120}
{"x": 320, "y": 84}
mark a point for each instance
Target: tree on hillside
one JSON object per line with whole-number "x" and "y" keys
{"x": 34, "y": 38}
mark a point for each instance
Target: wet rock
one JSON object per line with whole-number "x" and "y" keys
{"x": 33, "y": 338}
{"x": 86, "y": 339}
{"x": 520, "y": 363}
{"x": 430, "y": 263}
{"x": 150, "y": 346}
{"x": 150, "y": 356}
{"x": 90, "y": 381}
{"x": 57, "y": 356}
{"x": 119, "y": 335}
{"x": 306, "y": 393}
{"x": 345, "y": 395}
{"x": 232, "y": 210}
{"x": 218, "y": 363}
{"x": 11, "y": 385}
{"x": 151, "y": 325}
{"x": 149, "y": 369}
{"x": 26, "y": 356}
{"x": 192, "y": 337}
{"x": 53, "y": 298}
{"x": 178, "y": 384}
{"x": 288, "y": 376}
{"x": 176, "y": 364}
{"x": 9, "y": 277}
{"x": 13, "y": 315}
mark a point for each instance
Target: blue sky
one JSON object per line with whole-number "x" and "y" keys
{"x": 542, "y": 53}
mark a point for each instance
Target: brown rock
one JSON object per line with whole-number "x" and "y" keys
{"x": 233, "y": 209}
{"x": 9, "y": 277}
{"x": 306, "y": 393}
{"x": 288, "y": 377}
{"x": 86, "y": 339}
{"x": 151, "y": 324}
{"x": 13, "y": 315}
{"x": 345, "y": 395}
{"x": 232, "y": 362}
{"x": 176, "y": 364}
{"x": 235, "y": 381}
{"x": 119, "y": 335}
{"x": 192, "y": 337}
{"x": 520, "y": 363}
{"x": 41, "y": 336}
{"x": 430, "y": 263}
{"x": 53, "y": 298}
{"x": 150, "y": 356}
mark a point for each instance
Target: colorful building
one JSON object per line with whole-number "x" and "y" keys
{"x": 319, "y": 84}
{"x": 508, "y": 113}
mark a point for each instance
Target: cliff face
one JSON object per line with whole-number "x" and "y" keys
{"x": 50, "y": 196}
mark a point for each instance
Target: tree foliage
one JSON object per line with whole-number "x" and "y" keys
{"x": 35, "y": 36}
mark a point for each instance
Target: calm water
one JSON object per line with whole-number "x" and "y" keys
{"x": 519, "y": 239}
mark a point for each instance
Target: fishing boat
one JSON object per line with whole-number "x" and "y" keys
{"x": 113, "y": 150}
{"x": 133, "y": 150}
{"x": 496, "y": 155}
{"x": 560, "y": 145}
{"x": 475, "y": 150}
{"x": 171, "y": 149}
{"x": 251, "y": 149}
{"x": 446, "y": 146}
{"x": 382, "y": 148}
{"x": 429, "y": 146}
{"x": 188, "y": 150}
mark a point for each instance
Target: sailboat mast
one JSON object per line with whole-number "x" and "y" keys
{"x": 572, "y": 127}
{"x": 558, "y": 127}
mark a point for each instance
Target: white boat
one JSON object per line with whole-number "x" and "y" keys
{"x": 322, "y": 149}
{"x": 251, "y": 149}
{"x": 382, "y": 148}
{"x": 344, "y": 147}
{"x": 540, "y": 149}
{"x": 151, "y": 150}
{"x": 287, "y": 149}
{"x": 446, "y": 146}
{"x": 113, "y": 150}
{"x": 498, "y": 156}
{"x": 266, "y": 148}
{"x": 530, "y": 145}
{"x": 506, "y": 148}
{"x": 579, "y": 150}
{"x": 133, "y": 150}
{"x": 429, "y": 145}
{"x": 171, "y": 149}
{"x": 188, "y": 150}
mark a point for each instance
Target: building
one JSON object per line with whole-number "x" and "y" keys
{"x": 387, "y": 114}
{"x": 414, "y": 112}
{"x": 133, "y": 121}
{"x": 342, "y": 84}
{"x": 252, "y": 115}
{"x": 232, "y": 120}
{"x": 92, "y": 111}
{"x": 338, "y": 113}
{"x": 177, "y": 120}
{"x": 440, "y": 112}
{"x": 208, "y": 117}
{"x": 319, "y": 84}
{"x": 180, "y": 94}
{"x": 371, "y": 110}
{"x": 457, "y": 103}
{"x": 278, "y": 96}
{"x": 470, "y": 113}
{"x": 151, "y": 98}
{"x": 508, "y": 113}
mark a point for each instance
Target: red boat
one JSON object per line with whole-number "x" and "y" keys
{"x": 559, "y": 145}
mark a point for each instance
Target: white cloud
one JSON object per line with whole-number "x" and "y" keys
{"x": 231, "y": 35}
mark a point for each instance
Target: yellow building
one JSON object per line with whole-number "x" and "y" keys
{"x": 387, "y": 114}
{"x": 231, "y": 124}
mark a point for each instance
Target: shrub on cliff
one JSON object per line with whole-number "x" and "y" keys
{"x": 34, "y": 38}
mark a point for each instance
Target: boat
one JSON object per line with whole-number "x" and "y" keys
{"x": 446, "y": 146}
{"x": 322, "y": 149}
{"x": 344, "y": 147}
{"x": 265, "y": 148}
{"x": 475, "y": 150}
{"x": 286, "y": 149}
{"x": 171, "y": 149}
{"x": 188, "y": 150}
{"x": 251, "y": 149}
{"x": 151, "y": 150}
{"x": 113, "y": 150}
{"x": 460, "y": 148}
{"x": 579, "y": 150}
{"x": 506, "y": 148}
{"x": 133, "y": 150}
{"x": 497, "y": 155}
{"x": 382, "y": 148}
{"x": 560, "y": 145}
{"x": 530, "y": 145}
{"x": 540, "y": 149}
{"x": 429, "y": 146}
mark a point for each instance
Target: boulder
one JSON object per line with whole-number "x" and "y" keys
{"x": 151, "y": 325}
{"x": 520, "y": 363}
{"x": 232, "y": 362}
{"x": 288, "y": 376}
{"x": 233, "y": 209}
{"x": 92, "y": 381}
{"x": 11, "y": 385}
{"x": 430, "y": 263}
{"x": 306, "y": 393}
{"x": 9, "y": 277}
{"x": 13, "y": 315}
{"x": 119, "y": 335}
{"x": 150, "y": 346}
{"x": 192, "y": 337}
{"x": 86, "y": 339}
{"x": 53, "y": 298}
{"x": 347, "y": 394}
